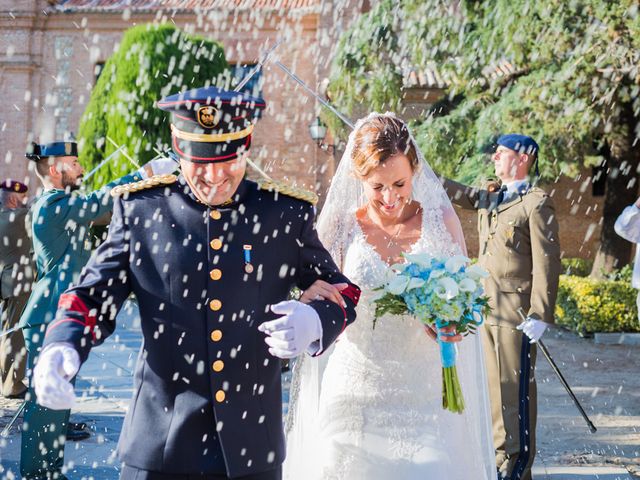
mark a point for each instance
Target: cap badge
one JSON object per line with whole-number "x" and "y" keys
{"x": 208, "y": 116}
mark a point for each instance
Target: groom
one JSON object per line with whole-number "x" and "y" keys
{"x": 519, "y": 247}
{"x": 210, "y": 256}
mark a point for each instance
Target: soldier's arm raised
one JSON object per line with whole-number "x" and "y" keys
{"x": 86, "y": 313}
{"x": 85, "y": 209}
{"x": 545, "y": 250}
{"x": 316, "y": 264}
{"x": 462, "y": 195}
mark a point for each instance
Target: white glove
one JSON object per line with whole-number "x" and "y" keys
{"x": 294, "y": 332}
{"x": 57, "y": 365}
{"x": 533, "y": 328}
{"x": 158, "y": 166}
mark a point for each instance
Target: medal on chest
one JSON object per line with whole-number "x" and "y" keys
{"x": 248, "y": 267}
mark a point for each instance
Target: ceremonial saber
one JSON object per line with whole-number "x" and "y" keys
{"x": 243, "y": 82}
{"x": 11, "y": 330}
{"x": 557, "y": 371}
{"x": 326, "y": 104}
{"x": 5, "y": 430}
{"x": 88, "y": 175}
{"x": 258, "y": 67}
{"x": 136, "y": 164}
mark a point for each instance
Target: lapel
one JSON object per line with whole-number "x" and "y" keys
{"x": 510, "y": 203}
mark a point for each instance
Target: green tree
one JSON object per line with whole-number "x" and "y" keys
{"x": 573, "y": 83}
{"x": 151, "y": 62}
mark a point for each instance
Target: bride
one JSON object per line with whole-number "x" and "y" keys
{"x": 372, "y": 408}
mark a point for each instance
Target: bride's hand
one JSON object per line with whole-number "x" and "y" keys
{"x": 431, "y": 332}
{"x": 445, "y": 338}
{"x": 321, "y": 290}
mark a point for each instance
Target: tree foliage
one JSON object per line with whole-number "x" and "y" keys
{"x": 152, "y": 61}
{"x": 573, "y": 83}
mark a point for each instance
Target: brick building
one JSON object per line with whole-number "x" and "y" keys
{"x": 51, "y": 51}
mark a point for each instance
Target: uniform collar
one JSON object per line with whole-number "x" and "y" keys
{"x": 236, "y": 198}
{"x": 518, "y": 186}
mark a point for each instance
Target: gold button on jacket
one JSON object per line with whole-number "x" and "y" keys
{"x": 218, "y": 365}
{"x": 215, "y": 274}
{"x": 216, "y": 244}
{"x": 220, "y": 396}
{"x": 215, "y": 305}
{"x": 216, "y": 335}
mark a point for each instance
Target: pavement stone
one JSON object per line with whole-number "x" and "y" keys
{"x": 566, "y": 449}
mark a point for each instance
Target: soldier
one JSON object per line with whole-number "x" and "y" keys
{"x": 60, "y": 221}
{"x": 210, "y": 256}
{"x": 519, "y": 247}
{"x": 16, "y": 275}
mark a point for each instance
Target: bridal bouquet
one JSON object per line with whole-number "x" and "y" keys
{"x": 440, "y": 292}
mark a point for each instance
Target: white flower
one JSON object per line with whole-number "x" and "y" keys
{"x": 467, "y": 285}
{"x": 476, "y": 272}
{"x": 455, "y": 263}
{"x": 447, "y": 288}
{"x": 420, "y": 259}
{"x": 436, "y": 274}
{"x": 398, "y": 284}
{"x": 415, "y": 283}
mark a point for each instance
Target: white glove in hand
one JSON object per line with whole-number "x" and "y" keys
{"x": 158, "y": 166}
{"x": 533, "y": 329}
{"x": 294, "y": 332}
{"x": 57, "y": 365}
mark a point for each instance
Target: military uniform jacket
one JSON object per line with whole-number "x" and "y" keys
{"x": 207, "y": 392}
{"x": 519, "y": 248}
{"x": 16, "y": 270}
{"x": 61, "y": 244}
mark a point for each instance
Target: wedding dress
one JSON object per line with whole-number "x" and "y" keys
{"x": 371, "y": 409}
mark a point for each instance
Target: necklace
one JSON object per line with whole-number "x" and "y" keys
{"x": 389, "y": 237}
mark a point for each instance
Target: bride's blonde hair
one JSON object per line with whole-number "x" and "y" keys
{"x": 379, "y": 139}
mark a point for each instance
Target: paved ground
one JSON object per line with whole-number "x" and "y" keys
{"x": 605, "y": 378}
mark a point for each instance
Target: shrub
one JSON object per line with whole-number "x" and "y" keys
{"x": 152, "y": 61}
{"x": 580, "y": 267}
{"x": 586, "y": 305}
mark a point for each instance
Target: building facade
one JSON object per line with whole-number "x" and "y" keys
{"x": 51, "y": 52}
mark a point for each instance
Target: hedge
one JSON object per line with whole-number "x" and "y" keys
{"x": 586, "y": 305}
{"x": 152, "y": 61}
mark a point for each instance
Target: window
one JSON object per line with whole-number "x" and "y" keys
{"x": 253, "y": 86}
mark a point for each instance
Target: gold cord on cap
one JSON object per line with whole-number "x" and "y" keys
{"x": 211, "y": 137}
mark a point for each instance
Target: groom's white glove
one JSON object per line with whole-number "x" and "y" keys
{"x": 159, "y": 166}
{"x": 298, "y": 329}
{"x": 57, "y": 365}
{"x": 533, "y": 328}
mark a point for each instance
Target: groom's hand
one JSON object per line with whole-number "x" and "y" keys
{"x": 57, "y": 365}
{"x": 294, "y": 332}
{"x": 321, "y": 290}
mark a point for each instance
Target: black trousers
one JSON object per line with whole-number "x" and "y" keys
{"x": 132, "y": 473}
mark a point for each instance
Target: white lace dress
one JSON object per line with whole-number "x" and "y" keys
{"x": 380, "y": 405}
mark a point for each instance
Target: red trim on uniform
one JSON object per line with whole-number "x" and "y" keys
{"x": 73, "y": 303}
{"x": 69, "y": 301}
{"x": 344, "y": 325}
{"x": 352, "y": 293}
{"x": 208, "y": 159}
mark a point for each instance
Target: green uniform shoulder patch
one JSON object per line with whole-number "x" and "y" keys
{"x": 150, "y": 182}
{"x": 290, "y": 191}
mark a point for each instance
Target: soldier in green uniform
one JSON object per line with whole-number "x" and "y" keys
{"x": 519, "y": 247}
{"x": 60, "y": 221}
{"x": 16, "y": 276}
